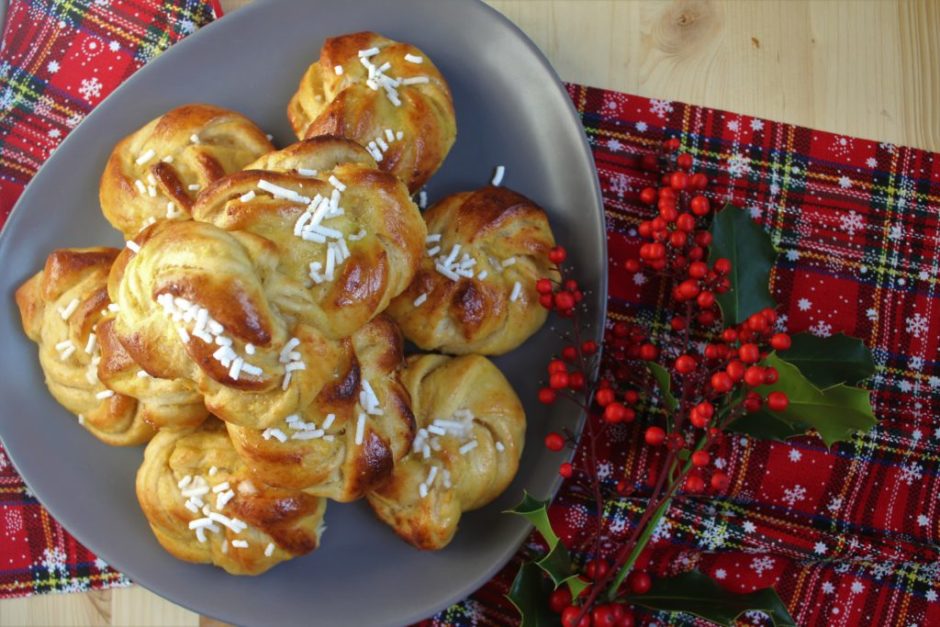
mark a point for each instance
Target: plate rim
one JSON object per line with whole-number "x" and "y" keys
{"x": 596, "y": 322}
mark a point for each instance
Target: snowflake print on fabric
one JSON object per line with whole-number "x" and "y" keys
{"x": 804, "y": 304}
{"x": 639, "y": 278}
{"x": 604, "y": 470}
{"x": 642, "y": 126}
{"x": 53, "y": 66}
{"x": 757, "y": 125}
{"x": 851, "y": 222}
{"x": 916, "y": 325}
{"x": 916, "y": 363}
{"x": 795, "y": 455}
{"x": 90, "y": 88}
{"x": 762, "y": 564}
{"x": 821, "y": 329}
{"x": 713, "y": 535}
{"x": 620, "y": 185}
{"x": 720, "y": 573}
{"x": 791, "y": 496}
{"x": 845, "y": 182}
{"x": 92, "y": 47}
{"x": 820, "y": 548}
{"x": 613, "y": 104}
{"x": 577, "y": 516}
{"x": 662, "y": 531}
{"x": 871, "y": 162}
{"x": 614, "y": 144}
{"x": 842, "y": 146}
{"x": 738, "y": 166}
{"x": 828, "y": 588}
{"x": 911, "y": 472}
{"x": 733, "y": 125}
{"x": 661, "y": 108}
{"x": 53, "y": 561}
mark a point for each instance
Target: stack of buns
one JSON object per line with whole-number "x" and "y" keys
{"x": 252, "y": 330}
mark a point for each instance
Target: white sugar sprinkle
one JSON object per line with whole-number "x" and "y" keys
{"x": 420, "y": 300}
{"x": 140, "y": 186}
{"x": 133, "y": 246}
{"x": 194, "y": 187}
{"x": 413, "y": 58}
{"x": 81, "y": 419}
{"x": 434, "y": 251}
{"x": 142, "y": 374}
{"x": 306, "y": 172}
{"x": 415, "y": 80}
{"x": 144, "y": 158}
{"x": 516, "y": 291}
{"x": 240, "y": 544}
{"x": 224, "y": 546}
{"x": 194, "y": 138}
{"x": 104, "y": 394}
{"x": 67, "y": 311}
{"x": 221, "y": 487}
{"x": 185, "y": 481}
{"x": 224, "y": 498}
{"x": 335, "y": 182}
{"x": 247, "y": 196}
{"x": 90, "y": 345}
{"x": 282, "y": 192}
{"x": 338, "y": 69}
{"x": 328, "y": 421}
{"x": 433, "y": 237}
{"x": 469, "y": 446}
{"x": 269, "y": 550}
{"x": 423, "y": 490}
{"x": 369, "y": 52}
{"x": 250, "y": 348}
{"x": 213, "y": 471}
{"x": 360, "y": 429}
{"x": 498, "y": 176}
{"x": 508, "y": 262}
{"x": 483, "y": 275}
{"x": 500, "y": 447}
{"x": 277, "y": 434}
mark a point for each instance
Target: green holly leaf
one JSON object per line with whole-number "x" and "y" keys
{"x": 665, "y": 384}
{"x": 736, "y": 237}
{"x": 831, "y": 360}
{"x": 835, "y": 413}
{"x": 695, "y": 593}
{"x": 529, "y": 594}
{"x": 557, "y": 563}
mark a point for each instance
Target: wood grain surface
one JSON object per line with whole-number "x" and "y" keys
{"x": 867, "y": 68}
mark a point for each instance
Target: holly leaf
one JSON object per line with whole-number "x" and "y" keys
{"x": 557, "y": 562}
{"x": 664, "y": 380}
{"x": 835, "y": 413}
{"x": 695, "y": 593}
{"x": 529, "y": 594}
{"x": 831, "y": 360}
{"x": 737, "y": 238}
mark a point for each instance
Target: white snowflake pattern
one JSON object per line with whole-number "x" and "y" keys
{"x": 916, "y": 363}
{"x": 820, "y": 548}
{"x": 114, "y": 46}
{"x": 74, "y": 119}
{"x": 714, "y": 534}
{"x": 641, "y": 126}
{"x": 761, "y": 564}
{"x": 934, "y": 382}
{"x": 639, "y": 278}
{"x": 931, "y": 595}
{"x": 577, "y": 516}
{"x": 53, "y": 66}
{"x": 614, "y": 144}
{"x": 613, "y": 102}
{"x": 733, "y": 125}
{"x": 828, "y": 588}
{"x": 911, "y": 472}
{"x": 604, "y": 470}
{"x": 851, "y": 222}
{"x": 90, "y": 88}
{"x": 54, "y": 133}
{"x": 795, "y": 455}
{"x": 53, "y": 560}
{"x": 895, "y": 233}
{"x": 916, "y": 435}
{"x": 755, "y": 211}
{"x": 774, "y": 189}
{"x": 749, "y": 527}
{"x": 92, "y": 47}
{"x": 871, "y": 162}
{"x": 821, "y": 329}
{"x": 662, "y": 531}
{"x": 720, "y": 463}
{"x": 842, "y": 146}
{"x": 857, "y": 587}
{"x": 845, "y": 182}
{"x": 187, "y": 27}
{"x": 7, "y": 99}
{"x": 720, "y": 573}
{"x": 887, "y": 147}
{"x": 738, "y": 166}
{"x": 620, "y": 184}
{"x": 882, "y": 569}
{"x": 757, "y": 125}
{"x": 804, "y": 304}
{"x": 792, "y": 495}
{"x": 661, "y": 108}
{"x": 781, "y": 324}
{"x": 871, "y": 313}
{"x": 916, "y": 325}
{"x": 13, "y": 521}
{"x": 100, "y": 564}
{"x": 793, "y": 255}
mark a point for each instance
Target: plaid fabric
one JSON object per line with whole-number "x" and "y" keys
{"x": 59, "y": 59}
{"x": 847, "y": 535}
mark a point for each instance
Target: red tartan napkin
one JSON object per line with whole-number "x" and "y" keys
{"x": 848, "y": 535}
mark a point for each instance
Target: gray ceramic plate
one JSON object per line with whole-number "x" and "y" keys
{"x": 511, "y": 110}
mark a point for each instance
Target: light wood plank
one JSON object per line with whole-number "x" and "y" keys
{"x": 859, "y": 67}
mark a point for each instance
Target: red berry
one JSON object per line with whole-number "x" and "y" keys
{"x": 627, "y": 620}
{"x": 757, "y": 323}
{"x": 706, "y": 409}
{"x": 674, "y": 442}
{"x": 780, "y": 341}
{"x": 752, "y": 402}
{"x": 648, "y": 195}
{"x": 557, "y": 365}
{"x": 729, "y": 335}
{"x": 614, "y": 413}
{"x": 554, "y": 442}
{"x": 706, "y": 318}
{"x": 703, "y": 238}
{"x": 645, "y": 229}
{"x": 557, "y": 254}
{"x": 721, "y": 382}
{"x": 621, "y": 329}
{"x": 694, "y": 484}
{"x": 754, "y": 376}
{"x": 639, "y": 582}
{"x": 720, "y": 481}
{"x": 722, "y": 266}
{"x": 749, "y": 353}
{"x": 685, "y": 364}
{"x": 589, "y": 347}
{"x": 685, "y": 222}
{"x": 698, "y": 419}
{"x": 679, "y": 181}
{"x": 632, "y": 265}
{"x": 684, "y": 161}
{"x": 769, "y": 315}
{"x": 688, "y": 289}
{"x": 623, "y": 488}
{"x": 712, "y": 351}
{"x": 576, "y": 381}
{"x": 696, "y": 253}
{"x": 596, "y": 569}
{"x": 630, "y": 397}
{"x": 677, "y": 323}
{"x": 654, "y": 436}
{"x": 546, "y": 301}
{"x": 677, "y": 239}
{"x": 735, "y": 370}
{"x": 564, "y": 300}
{"x": 698, "y": 269}
{"x": 559, "y": 599}
{"x": 700, "y": 205}
{"x": 604, "y": 397}
{"x": 569, "y": 617}
{"x": 604, "y": 616}
{"x": 650, "y": 162}
{"x": 543, "y": 286}
{"x": 666, "y": 205}
{"x": 558, "y": 380}
{"x": 566, "y": 470}
{"x": 547, "y": 396}
{"x": 699, "y": 181}
{"x": 777, "y": 401}
{"x": 700, "y": 458}
{"x": 705, "y": 300}
{"x": 648, "y": 352}
{"x": 771, "y": 375}
{"x": 569, "y": 353}
{"x": 671, "y": 144}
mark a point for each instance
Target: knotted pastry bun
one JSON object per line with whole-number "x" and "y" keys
{"x": 403, "y": 114}
{"x": 349, "y": 439}
{"x": 466, "y": 453}
{"x": 194, "y": 303}
{"x": 60, "y": 307}
{"x": 203, "y": 505}
{"x": 347, "y": 236}
{"x": 155, "y": 172}
{"x": 474, "y": 291}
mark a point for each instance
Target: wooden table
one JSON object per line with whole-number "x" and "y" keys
{"x": 866, "y": 67}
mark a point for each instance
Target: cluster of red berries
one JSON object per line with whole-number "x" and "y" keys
{"x": 563, "y": 297}
{"x": 563, "y": 376}
{"x": 601, "y": 615}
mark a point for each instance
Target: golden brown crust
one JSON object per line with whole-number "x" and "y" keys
{"x": 335, "y": 466}
{"x": 477, "y": 460}
{"x": 492, "y": 226}
{"x": 60, "y": 308}
{"x": 344, "y": 105}
{"x": 226, "y": 142}
{"x": 380, "y": 228}
{"x": 288, "y": 521}
{"x": 194, "y": 300}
